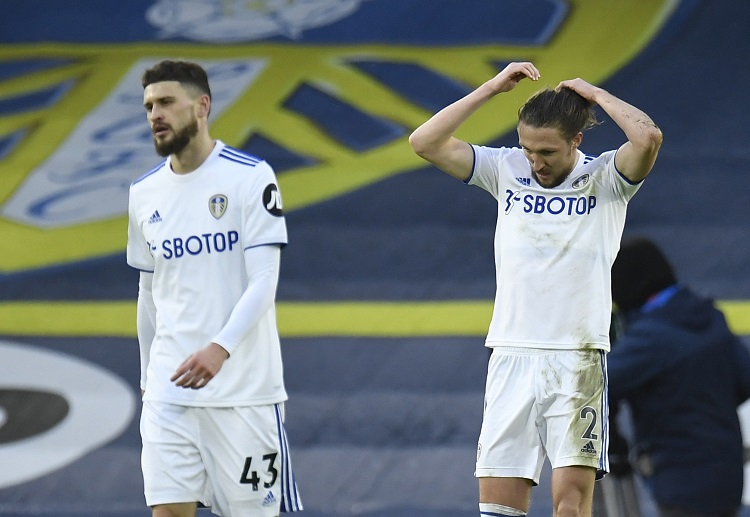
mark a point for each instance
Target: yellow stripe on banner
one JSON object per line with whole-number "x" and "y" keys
{"x": 296, "y": 319}
{"x": 98, "y": 318}
{"x": 737, "y": 313}
{"x": 384, "y": 319}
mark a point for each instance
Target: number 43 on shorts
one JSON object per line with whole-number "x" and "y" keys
{"x": 250, "y": 477}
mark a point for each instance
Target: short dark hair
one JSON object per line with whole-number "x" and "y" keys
{"x": 184, "y": 72}
{"x": 563, "y": 109}
{"x": 640, "y": 271}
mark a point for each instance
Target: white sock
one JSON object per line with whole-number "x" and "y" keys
{"x": 499, "y": 510}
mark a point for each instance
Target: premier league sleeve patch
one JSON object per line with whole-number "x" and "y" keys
{"x": 272, "y": 200}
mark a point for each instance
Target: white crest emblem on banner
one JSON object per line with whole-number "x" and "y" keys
{"x": 217, "y": 205}
{"x": 240, "y": 20}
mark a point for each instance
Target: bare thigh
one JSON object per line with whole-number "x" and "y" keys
{"x": 174, "y": 510}
{"x": 512, "y": 492}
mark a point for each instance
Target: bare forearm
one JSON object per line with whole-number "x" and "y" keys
{"x": 440, "y": 128}
{"x": 434, "y": 140}
{"x": 636, "y": 157}
{"x": 638, "y": 127}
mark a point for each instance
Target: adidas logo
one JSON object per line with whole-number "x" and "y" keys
{"x": 269, "y": 499}
{"x": 589, "y": 448}
{"x": 155, "y": 218}
{"x": 524, "y": 181}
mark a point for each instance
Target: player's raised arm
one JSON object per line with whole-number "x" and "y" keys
{"x": 636, "y": 157}
{"x": 434, "y": 140}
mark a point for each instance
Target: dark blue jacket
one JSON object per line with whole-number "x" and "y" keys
{"x": 683, "y": 374}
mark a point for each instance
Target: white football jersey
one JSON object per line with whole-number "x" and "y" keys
{"x": 191, "y": 231}
{"x": 554, "y": 249}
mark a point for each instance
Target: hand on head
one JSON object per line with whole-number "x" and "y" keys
{"x": 581, "y": 87}
{"x": 512, "y": 74}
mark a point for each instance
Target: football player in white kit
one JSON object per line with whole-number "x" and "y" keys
{"x": 560, "y": 219}
{"x": 205, "y": 231}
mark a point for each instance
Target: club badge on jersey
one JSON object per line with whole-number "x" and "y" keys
{"x": 217, "y": 205}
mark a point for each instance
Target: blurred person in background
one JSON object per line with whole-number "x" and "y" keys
{"x": 683, "y": 373}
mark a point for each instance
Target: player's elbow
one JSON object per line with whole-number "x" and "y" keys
{"x": 418, "y": 144}
{"x": 656, "y": 137}
{"x": 651, "y": 139}
{"x": 427, "y": 148}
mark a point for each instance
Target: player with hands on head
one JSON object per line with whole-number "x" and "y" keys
{"x": 205, "y": 231}
{"x": 561, "y": 215}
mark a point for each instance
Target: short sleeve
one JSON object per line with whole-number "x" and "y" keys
{"x": 487, "y": 163}
{"x": 263, "y": 218}
{"x": 622, "y": 186}
{"x": 138, "y": 250}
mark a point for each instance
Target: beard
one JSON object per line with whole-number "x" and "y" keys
{"x": 553, "y": 181}
{"x": 178, "y": 142}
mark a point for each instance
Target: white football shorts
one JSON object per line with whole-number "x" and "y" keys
{"x": 233, "y": 460}
{"x": 541, "y": 403}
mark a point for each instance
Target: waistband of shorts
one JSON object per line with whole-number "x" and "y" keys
{"x": 522, "y": 350}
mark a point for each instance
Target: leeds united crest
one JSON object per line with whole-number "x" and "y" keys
{"x": 217, "y": 205}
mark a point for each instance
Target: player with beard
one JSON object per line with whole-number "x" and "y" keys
{"x": 560, "y": 219}
{"x": 205, "y": 231}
